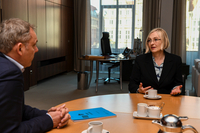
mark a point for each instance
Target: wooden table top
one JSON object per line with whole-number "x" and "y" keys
{"x": 106, "y": 59}
{"x": 123, "y": 105}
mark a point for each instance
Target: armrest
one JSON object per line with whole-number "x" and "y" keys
{"x": 183, "y": 88}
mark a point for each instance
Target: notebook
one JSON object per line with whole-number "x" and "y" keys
{"x": 90, "y": 113}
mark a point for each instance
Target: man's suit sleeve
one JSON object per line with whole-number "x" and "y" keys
{"x": 38, "y": 124}
{"x": 15, "y": 117}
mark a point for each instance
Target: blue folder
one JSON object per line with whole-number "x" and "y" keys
{"x": 90, "y": 113}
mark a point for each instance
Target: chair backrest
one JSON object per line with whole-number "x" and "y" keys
{"x": 183, "y": 87}
{"x": 196, "y": 63}
{"x": 105, "y": 44}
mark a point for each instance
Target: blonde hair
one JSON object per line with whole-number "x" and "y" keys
{"x": 164, "y": 38}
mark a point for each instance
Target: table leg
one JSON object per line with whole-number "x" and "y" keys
{"x": 97, "y": 74}
{"x": 121, "y": 74}
{"x": 91, "y": 72}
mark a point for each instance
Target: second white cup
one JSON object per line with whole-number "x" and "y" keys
{"x": 154, "y": 111}
{"x": 95, "y": 127}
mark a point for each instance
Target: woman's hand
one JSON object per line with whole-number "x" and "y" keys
{"x": 176, "y": 90}
{"x": 143, "y": 90}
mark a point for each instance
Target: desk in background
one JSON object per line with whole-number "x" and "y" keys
{"x": 97, "y": 66}
{"x": 123, "y": 105}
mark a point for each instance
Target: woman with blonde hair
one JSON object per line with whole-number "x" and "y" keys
{"x": 157, "y": 69}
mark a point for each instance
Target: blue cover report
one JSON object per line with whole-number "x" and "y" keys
{"x": 90, "y": 113}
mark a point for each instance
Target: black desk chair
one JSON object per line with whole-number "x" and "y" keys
{"x": 183, "y": 87}
{"x": 106, "y": 51}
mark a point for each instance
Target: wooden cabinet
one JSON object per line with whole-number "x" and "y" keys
{"x": 57, "y": 29}
{"x": 68, "y": 3}
{"x": 70, "y": 63}
{"x": 32, "y": 13}
{"x": 50, "y": 30}
{"x": 68, "y": 30}
{"x": 55, "y": 32}
{"x": 41, "y": 31}
{"x": 14, "y": 9}
{"x": 51, "y": 70}
{"x": 58, "y": 1}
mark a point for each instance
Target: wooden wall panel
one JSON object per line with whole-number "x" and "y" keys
{"x": 17, "y": 9}
{"x": 32, "y": 18}
{"x": 68, "y": 3}
{"x": 54, "y": 28}
{"x": 49, "y": 70}
{"x": 50, "y": 30}
{"x": 70, "y": 31}
{"x": 32, "y": 12}
{"x": 14, "y": 9}
{"x": 58, "y": 1}
{"x": 41, "y": 31}
{"x": 64, "y": 30}
{"x": 57, "y": 30}
{"x": 70, "y": 63}
{"x": 50, "y": 0}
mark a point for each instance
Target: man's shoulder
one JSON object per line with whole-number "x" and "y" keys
{"x": 7, "y": 66}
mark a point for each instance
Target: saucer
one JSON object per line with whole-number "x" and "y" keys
{"x": 104, "y": 131}
{"x": 146, "y": 117}
{"x": 156, "y": 97}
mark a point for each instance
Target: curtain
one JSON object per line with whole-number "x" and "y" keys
{"x": 82, "y": 33}
{"x": 178, "y": 42}
{"x": 151, "y": 16}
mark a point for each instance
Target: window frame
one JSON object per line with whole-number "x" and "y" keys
{"x": 117, "y": 7}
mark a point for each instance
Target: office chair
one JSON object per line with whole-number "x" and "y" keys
{"x": 183, "y": 87}
{"x": 106, "y": 51}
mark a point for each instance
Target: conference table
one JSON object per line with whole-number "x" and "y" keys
{"x": 123, "y": 105}
{"x": 107, "y": 58}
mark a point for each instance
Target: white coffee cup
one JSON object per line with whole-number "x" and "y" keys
{"x": 151, "y": 93}
{"x": 142, "y": 109}
{"x": 95, "y": 127}
{"x": 153, "y": 111}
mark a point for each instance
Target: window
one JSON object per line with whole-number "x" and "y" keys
{"x": 127, "y": 12}
{"x": 192, "y": 31}
{"x": 192, "y": 25}
{"x": 127, "y": 34}
{"x": 120, "y": 32}
{"x": 121, "y": 17}
{"x": 111, "y": 21}
{"x": 111, "y": 34}
{"x": 120, "y": 12}
{"x": 120, "y": 21}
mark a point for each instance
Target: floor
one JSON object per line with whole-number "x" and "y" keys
{"x": 63, "y": 87}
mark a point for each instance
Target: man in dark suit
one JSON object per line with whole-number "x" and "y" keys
{"x": 17, "y": 48}
{"x": 158, "y": 69}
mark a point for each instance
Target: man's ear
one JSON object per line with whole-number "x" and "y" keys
{"x": 20, "y": 48}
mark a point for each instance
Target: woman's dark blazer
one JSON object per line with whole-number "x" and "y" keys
{"x": 144, "y": 71}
